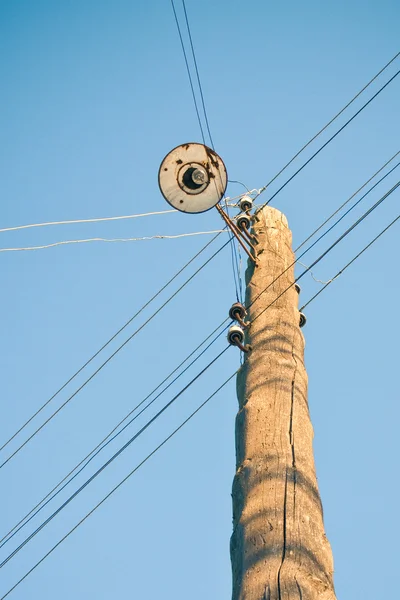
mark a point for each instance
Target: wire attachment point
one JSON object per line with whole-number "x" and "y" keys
{"x": 236, "y": 338}
{"x": 246, "y": 203}
{"x": 237, "y": 312}
{"x": 243, "y": 222}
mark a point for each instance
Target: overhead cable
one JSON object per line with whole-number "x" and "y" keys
{"x": 339, "y": 239}
{"x": 112, "y": 355}
{"x": 234, "y": 253}
{"x": 113, "y": 457}
{"x": 95, "y": 220}
{"x": 177, "y": 429}
{"x": 350, "y": 262}
{"x": 330, "y": 122}
{"x": 103, "y": 219}
{"x": 329, "y": 140}
{"x": 224, "y": 322}
{"x": 297, "y": 259}
{"x": 97, "y": 239}
{"x": 187, "y": 264}
{"x": 369, "y": 211}
{"x": 197, "y": 75}
{"x": 188, "y": 72}
{"x": 107, "y": 440}
{"x": 347, "y": 201}
{"x": 197, "y": 376}
{"x": 118, "y": 486}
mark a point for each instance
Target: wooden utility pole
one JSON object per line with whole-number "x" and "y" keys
{"x": 279, "y": 549}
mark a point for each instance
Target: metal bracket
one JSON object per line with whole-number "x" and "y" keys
{"x": 237, "y": 233}
{"x": 243, "y": 347}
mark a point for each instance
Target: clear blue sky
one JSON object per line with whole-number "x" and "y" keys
{"x": 93, "y": 95}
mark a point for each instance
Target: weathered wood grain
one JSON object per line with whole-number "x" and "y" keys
{"x": 279, "y": 550}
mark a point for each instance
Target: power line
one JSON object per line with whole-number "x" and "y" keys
{"x": 308, "y": 238}
{"x": 235, "y": 267}
{"x": 102, "y": 219}
{"x": 234, "y": 254}
{"x": 369, "y": 211}
{"x": 107, "y": 360}
{"x": 95, "y": 220}
{"x": 119, "y": 485}
{"x": 319, "y": 238}
{"x": 197, "y": 75}
{"x": 110, "y": 340}
{"x": 107, "y": 440}
{"x": 332, "y": 226}
{"x": 203, "y": 404}
{"x": 347, "y": 201}
{"x": 110, "y": 460}
{"x": 330, "y": 139}
{"x": 330, "y": 229}
{"x": 242, "y": 184}
{"x": 234, "y": 258}
{"x": 329, "y": 123}
{"x": 188, "y": 72}
{"x": 351, "y": 262}
{"x": 364, "y": 216}
{"x": 97, "y": 239}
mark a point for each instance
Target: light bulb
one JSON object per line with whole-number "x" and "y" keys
{"x": 199, "y": 176}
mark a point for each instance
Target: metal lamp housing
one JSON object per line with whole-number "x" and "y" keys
{"x": 192, "y": 178}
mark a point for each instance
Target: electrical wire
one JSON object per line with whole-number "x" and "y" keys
{"x": 258, "y": 315}
{"x": 240, "y": 183}
{"x": 110, "y": 460}
{"x": 197, "y": 74}
{"x": 329, "y": 123}
{"x": 329, "y": 229}
{"x": 119, "y": 485}
{"x": 134, "y": 239}
{"x": 101, "y": 219}
{"x": 329, "y": 140}
{"x": 96, "y": 220}
{"x": 235, "y": 267}
{"x": 353, "y": 226}
{"x": 234, "y": 258}
{"x": 241, "y": 293}
{"x": 110, "y": 340}
{"x": 107, "y": 440}
{"x": 312, "y": 274}
{"x": 110, "y": 357}
{"x": 231, "y": 377}
{"x": 350, "y": 262}
{"x": 309, "y": 237}
{"x": 235, "y": 262}
{"x": 347, "y": 201}
{"x": 188, "y": 72}
{"x": 329, "y": 249}
{"x": 234, "y": 254}
{"x": 369, "y": 211}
